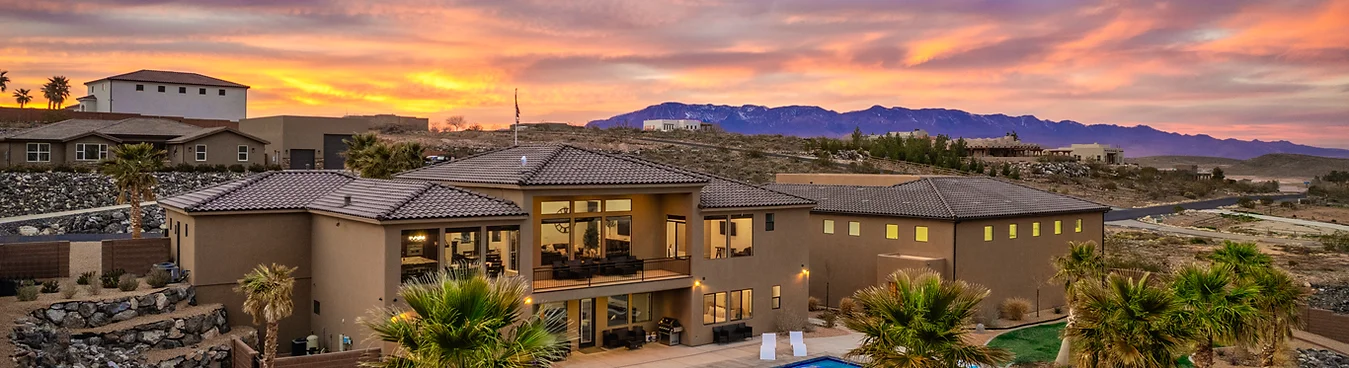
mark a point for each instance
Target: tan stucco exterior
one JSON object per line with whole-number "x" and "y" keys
{"x": 286, "y": 132}
{"x": 221, "y": 149}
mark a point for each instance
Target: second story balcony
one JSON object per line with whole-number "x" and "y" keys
{"x": 587, "y": 242}
{"x": 572, "y": 274}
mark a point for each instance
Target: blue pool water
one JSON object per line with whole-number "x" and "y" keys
{"x": 822, "y": 362}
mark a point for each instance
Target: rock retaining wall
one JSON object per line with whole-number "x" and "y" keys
{"x": 90, "y": 314}
{"x": 31, "y": 193}
{"x": 164, "y": 334}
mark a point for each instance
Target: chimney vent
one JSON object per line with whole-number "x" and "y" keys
{"x": 523, "y": 161}
{"x": 346, "y": 201}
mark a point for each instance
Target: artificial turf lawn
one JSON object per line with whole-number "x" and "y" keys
{"x": 1041, "y": 344}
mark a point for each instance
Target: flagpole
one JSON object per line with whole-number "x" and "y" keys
{"x": 516, "y": 128}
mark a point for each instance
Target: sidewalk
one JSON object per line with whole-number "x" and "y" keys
{"x": 740, "y": 354}
{"x": 67, "y": 213}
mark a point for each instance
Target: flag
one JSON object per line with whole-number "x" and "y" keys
{"x": 517, "y": 105}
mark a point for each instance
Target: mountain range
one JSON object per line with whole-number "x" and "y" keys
{"x": 813, "y": 121}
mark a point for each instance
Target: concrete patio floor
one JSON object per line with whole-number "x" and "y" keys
{"x": 740, "y": 354}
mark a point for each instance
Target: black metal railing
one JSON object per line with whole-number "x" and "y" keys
{"x": 587, "y": 273}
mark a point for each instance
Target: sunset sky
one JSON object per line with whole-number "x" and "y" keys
{"x": 1229, "y": 68}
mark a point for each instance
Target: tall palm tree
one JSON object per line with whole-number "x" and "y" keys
{"x": 1126, "y": 323}
{"x": 267, "y": 297}
{"x": 1280, "y": 304}
{"x": 919, "y": 321}
{"x": 4, "y": 80}
{"x": 406, "y": 156}
{"x": 1244, "y": 258}
{"x": 371, "y": 158}
{"x": 356, "y": 148}
{"x": 1216, "y": 304}
{"x": 1081, "y": 264}
{"x": 22, "y": 97}
{"x": 56, "y": 90}
{"x": 131, "y": 168}
{"x": 463, "y": 319}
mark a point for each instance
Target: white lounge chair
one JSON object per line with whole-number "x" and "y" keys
{"x": 798, "y": 343}
{"x": 769, "y": 349}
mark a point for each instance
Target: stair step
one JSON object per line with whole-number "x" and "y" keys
{"x": 156, "y": 356}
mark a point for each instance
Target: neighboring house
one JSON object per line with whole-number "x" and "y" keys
{"x": 609, "y": 241}
{"x": 86, "y": 141}
{"x": 166, "y": 93}
{"x": 316, "y": 142}
{"x": 670, "y": 125}
{"x": 1107, "y": 154}
{"x": 981, "y": 230}
{"x": 1005, "y": 146}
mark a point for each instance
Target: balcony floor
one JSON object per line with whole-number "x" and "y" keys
{"x": 558, "y": 285}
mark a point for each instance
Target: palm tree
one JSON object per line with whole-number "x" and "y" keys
{"x": 56, "y": 90}
{"x": 1126, "y": 324}
{"x": 1245, "y": 258}
{"x": 1080, "y": 264}
{"x": 267, "y": 293}
{"x": 463, "y": 319}
{"x": 22, "y": 97}
{"x": 406, "y": 156}
{"x": 356, "y": 148}
{"x": 1216, "y": 304}
{"x": 4, "y": 80}
{"x": 1280, "y": 304}
{"x": 131, "y": 167}
{"x": 371, "y": 158}
{"x": 919, "y": 321}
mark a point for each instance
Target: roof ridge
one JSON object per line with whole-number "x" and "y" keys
{"x": 642, "y": 161}
{"x": 241, "y": 183}
{"x": 940, "y": 197}
{"x": 425, "y": 186}
{"x": 756, "y": 186}
{"x": 530, "y": 172}
{"x": 425, "y": 167}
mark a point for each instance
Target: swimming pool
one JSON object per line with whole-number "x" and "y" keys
{"x": 821, "y": 362}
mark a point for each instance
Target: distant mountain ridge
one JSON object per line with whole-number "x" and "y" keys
{"x": 811, "y": 121}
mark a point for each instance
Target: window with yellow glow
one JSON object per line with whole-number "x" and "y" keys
{"x": 891, "y": 231}
{"x": 1011, "y": 231}
{"x": 854, "y": 228}
{"x": 988, "y": 233}
{"x": 828, "y": 226}
{"x": 1035, "y": 228}
{"x": 920, "y": 234}
{"x": 1078, "y": 229}
{"x": 1058, "y": 227}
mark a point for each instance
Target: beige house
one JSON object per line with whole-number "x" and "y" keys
{"x": 1112, "y": 155}
{"x": 990, "y": 232}
{"x": 87, "y": 141}
{"x": 612, "y": 242}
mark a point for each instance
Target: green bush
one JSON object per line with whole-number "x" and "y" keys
{"x": 157, "y": 278}
{"x": 27, "y": 293}
{"x": 110, "y": 279}
{"x": 220, "y": 168}
{"x": 275, "y": 167}
{"x": 184, "y": 167}
{"x": 128, "y": 282}
{"x": 86, "y": 277}
{"x": 1198, "y": 241}
{"x": 51, "y": 287}
{"x": 236, "y": 168}
{"x": 257, "y": 168}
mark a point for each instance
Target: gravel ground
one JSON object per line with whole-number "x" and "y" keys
{"x": 1332, "y": 298}
{"x": 1314, "y": 358}
{"x": 33, "y": 193}
{"x": 103, "y": 222}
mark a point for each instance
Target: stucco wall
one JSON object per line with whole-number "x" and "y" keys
{"x": 349, "y": 277}
{"x": 221, "y": 149}
{"x": 299, "y": 132}
{"x": 18, "y": 153}
{"x": 843, "y": 264}
{"x": 1017, "y": 267}
{"x": 123, "y": 97}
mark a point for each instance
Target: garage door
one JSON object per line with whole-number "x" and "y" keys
{"x": 302, "y": 159}
{"x": 333, "y": 147}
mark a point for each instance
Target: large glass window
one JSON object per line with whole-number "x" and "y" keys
{"x": 1035, "y": 228}
{"x": 591, "y": 237}
{"x": 729, "y": 236}
{"x": 715, "y": 241}
{"x": 741, "y": 236}
{"x": 618, "y": 310}
{"x": 587, "y": 206}
{"x": 640, "y": 307}
{"x": 587, "y": 240}
{"x": 728, "y": 306}
{"x": 1078, "y": 228}
{"x": 503, "y": 245}
{"x": 90, "y": 151}
{"x": 617, "y": 236}
{"x": 675, "y": 236}
{"x": 618, "y": 205}
{"x": 714, "y": 308}
{"x": 419, "y": 253}
{"x": 555, "y": 313}
{"x": 461, "y": 247}
{"x": 554, "y": 207}
{"x": 39, "y": 152}
{"x": 554, "y": 241}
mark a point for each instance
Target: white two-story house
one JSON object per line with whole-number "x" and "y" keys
{"x": 165, "y": 93}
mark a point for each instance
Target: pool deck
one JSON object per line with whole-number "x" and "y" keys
{"x": 740, "y": 354}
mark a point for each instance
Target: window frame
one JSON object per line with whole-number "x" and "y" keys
{"x": 201, "y": 91}
{"x": 162, "y": 89}
{"x": 222, "y": 91}
{"x": 140, "y": 87}
{"x": 1058, "y": 227}
{"x": 81, "y": 155}
{"x": 828, "y": 226}
{"x": 769, "y": 222}
{"x": 988, "y": 233}
{"x": 199, "y": 152}
{"x": 775, "y": 299}
{"x": 243, "y": 153}
{"x": 35, "y": 149}
{"x": 182, "y": 90}
{"x": 892, "y": 231}
{"x": 854, "y": 228}
{"x": 920, "y": 230}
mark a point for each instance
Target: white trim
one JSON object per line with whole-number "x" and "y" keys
{"x": 80, "y": 153}
{"x": 199, "y": 152}
{"x": 34, "y": 148}
{"x": 243, "y": 153}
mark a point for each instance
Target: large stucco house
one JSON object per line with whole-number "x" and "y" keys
{"x": 166, "y": 93}
{"x": 87, "y": 141}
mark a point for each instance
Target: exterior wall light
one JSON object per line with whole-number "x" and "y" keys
{"x": 805, "y": 270}
{"x": 529, "y": 300}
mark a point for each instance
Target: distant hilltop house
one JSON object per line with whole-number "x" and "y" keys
{"x": 1005, "y": 146}
{"x": 166, "y": 93}
{"x": 670, "y": 125}
{"x": 1112, "y": 155}
{"x": 87, "y": 141}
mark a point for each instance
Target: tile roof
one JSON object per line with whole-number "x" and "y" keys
{"x": 328, "y": 191}
{"x": 149, "y": 126}
{"x": 553, "y": 165}
{"x": 61, "y": 130}
{"x": 951, "y": 198}
{"x": 161, "y": 76}
{"x": 66, "y": 130}
{"x": 209, "y": 131}
{"x": 726, "y": 193}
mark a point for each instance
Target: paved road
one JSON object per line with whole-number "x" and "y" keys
{"x": 1294, "y": 221}
{"x": 67, "y": 213}
{"x": 1133, "y": 213}
{"x": 1211, "y": 234}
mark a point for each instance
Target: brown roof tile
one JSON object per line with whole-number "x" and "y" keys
{"x": 952, "y": 198}
{"x": 162, "y": 76}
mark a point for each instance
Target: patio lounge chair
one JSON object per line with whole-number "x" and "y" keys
{"x": 768, "y": 350}
{"x": 798, "y": 343}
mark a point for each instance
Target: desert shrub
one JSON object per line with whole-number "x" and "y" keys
{"x": 830, "y": 319}
{"x": 128, "y": 282}
{"x": 1266, "y": 201}
{"x": 813, "y": 304}
{"x": 1190, "y": 195}
{"x": 1177, "y": 209}
{"x": 1198, "y": 241}
{"x": 257, "y": 168}
{"x": 846, "y": 306}
{"x": 95, "y": 289}
{"x": 1339, "y": 241}
{"x": 1013, "y": 309}
{"x": 68, "y": 291}
{"x": 237, "y": 168}
{"x": 51, "y": 287}
{"x": 1109, "y": 185}
{"x": 1287, "y": 205}
{"x": 85, "y": 277}
{"x": 27, "y": 293}
{"x": 157, "y": 278}
{"x": 788, "y": 320}
{"x": 1246, "y": 202}
{"x": 1058, "y": 309}
{"x": 275, "y": 167}
{"x": 184, "y": 167}
{"x": 110, "y": 279}
{"x": 220, "y": 168}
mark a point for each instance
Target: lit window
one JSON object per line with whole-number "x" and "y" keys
{"x": 39, "y": 152}
{"x": 1011, "y": 231}
{"x": 828, "y": 226}
{"x": 777, "y": 296}
{"x": 554, "y": 207}
{"x": 854, "y": 228}
{"x": 201, "y": 152}
{"x": 618, "y": 205}
{"x": 988, "y": 233}
{"x": 1035, "y": 228}
{"x": 1058, "y": 227}
{"x": 920, "y": 234}
{"x": 891, "y": 231}
{"x": 243, "y": 153}
{"x": 1078, "y": 229}
{"x": 586, "y": 206}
